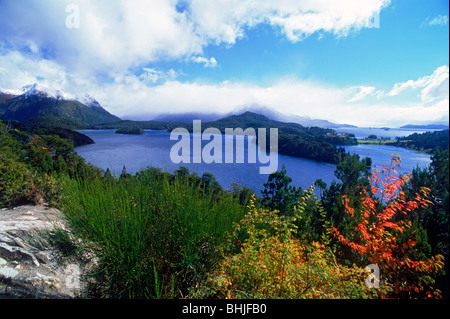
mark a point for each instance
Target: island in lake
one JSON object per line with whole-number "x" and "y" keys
{"x": 130, "y": 130}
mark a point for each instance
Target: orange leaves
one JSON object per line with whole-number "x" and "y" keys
{"x": 348, "y": 209}
{"x": 381, "y": 227}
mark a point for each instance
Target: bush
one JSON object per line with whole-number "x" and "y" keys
{"x": 385, "y": 235}
{"x": 155, "y": 233}
{"x": 14, "y": 181}
{"x": 272, "y": 263}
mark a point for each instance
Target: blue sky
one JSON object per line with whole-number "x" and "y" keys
{"x": 369, "y": 63}
{"x": 403, "y": 47}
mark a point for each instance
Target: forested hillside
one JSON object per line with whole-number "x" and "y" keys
{"x": 425, "y": 142}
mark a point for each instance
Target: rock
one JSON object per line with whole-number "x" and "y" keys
{"x": 8, "y": 272}
{"x": 19, "y": 243}
{"x": 29, "y": 267}
{"x": 42, "y": 257}
{"x": 18, "y": 254}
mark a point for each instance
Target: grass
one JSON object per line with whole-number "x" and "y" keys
{"x": 156, "y": 234}
{"x": 376, "y": 142}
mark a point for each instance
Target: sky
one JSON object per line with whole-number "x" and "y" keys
{"x": 360, "y": 62}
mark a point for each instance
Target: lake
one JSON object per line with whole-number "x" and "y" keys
{"x": 136, "y": 152}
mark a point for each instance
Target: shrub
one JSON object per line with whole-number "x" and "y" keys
{"x": 272, "y": 263}
{"x": 384, "y": 235}
{"x": 14, "y": 180}
{"x": 155, "y": 234}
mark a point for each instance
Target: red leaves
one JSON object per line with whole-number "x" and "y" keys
{"x": 379, "y": 231}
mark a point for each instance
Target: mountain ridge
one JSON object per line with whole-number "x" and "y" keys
{"x": 267, "y": 111}
{"x": 427, "y": 126}
{"x": 38, "y": 101}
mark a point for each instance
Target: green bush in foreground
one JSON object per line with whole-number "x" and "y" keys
{"x": 20, "y": 184}
{"x": 156, "y": 235}
{"x": 14, "y": 177}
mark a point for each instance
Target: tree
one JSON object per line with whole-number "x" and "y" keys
{"x": 6, "y": 139}
{"x": 352, "y": 174}
{"x": 382, "y": 235}
{"x": 39, "y": 155}
{"x": 208, "y": 180}
{"x": 182, "y": 172}
{"x": 278, "y": 194}
{"x": 435, "y": 219}
{"x": 321, "y": 185}
{"x": 124, "y": 174}
{"x": 108, "y": 176}
{"x": 242, "y": 193}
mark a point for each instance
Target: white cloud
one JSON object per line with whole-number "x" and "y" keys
{"x": 207, "y": 63}
{"x": 152, "y": 76}
{"x": 225, "y": 21}
{"x": 432, "y": 87}
{"x": 438, "y": 20}
{"x": 17, "y": 70}
{"x": 362, "y": 92}
{"x": 130, "y": 95}
{"x": 110, "y": 57}
{"x": 290, "y": 96}
{"x": 115, "y": 36}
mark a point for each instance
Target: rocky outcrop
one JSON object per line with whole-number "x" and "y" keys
{"x": 31, "y": 267}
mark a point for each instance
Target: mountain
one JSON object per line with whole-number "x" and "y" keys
{"x": 44, "y": 91}
{"x": 188, "y": 117}
{"x": 293, "y": 139}
{"x": 38, "y": 101}
{"x": 253, "y": 108}
{"x": 426, "y": 127}
{"x": 4, "y": 97}
{"x": 288, "y": 118}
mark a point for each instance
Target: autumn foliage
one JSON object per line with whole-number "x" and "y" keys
{"x": 271, "y": 262}
{"x": 383, "y": 234}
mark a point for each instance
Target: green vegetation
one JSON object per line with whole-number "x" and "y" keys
{"x": 274, "y": 262}
{"x": 377, "y": 141}
{"x": 427, "y": 142}
{"x": 312, "y": 148}
{"x": 161, "y": 235}
{"x": 151, "y": 227}
{"x": 435, "y": 218}
{"x": 278, "y": 194}
{"x": 130, "y": 130}
{"x": 30, "y": 164}
{"x": 53, "y": 121}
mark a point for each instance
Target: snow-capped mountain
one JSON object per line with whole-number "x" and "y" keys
{"x": 40, "y": 101}
{"x": 10, "y": 92}
{"x": 89, "y": 101}
{"x": 43, "y": 90}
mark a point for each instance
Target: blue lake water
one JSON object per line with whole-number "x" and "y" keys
{"x": 136, "y": 152}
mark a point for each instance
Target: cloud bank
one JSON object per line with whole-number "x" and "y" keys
{"x": 109, "y": 55}
{"x": 114, "y": 36}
